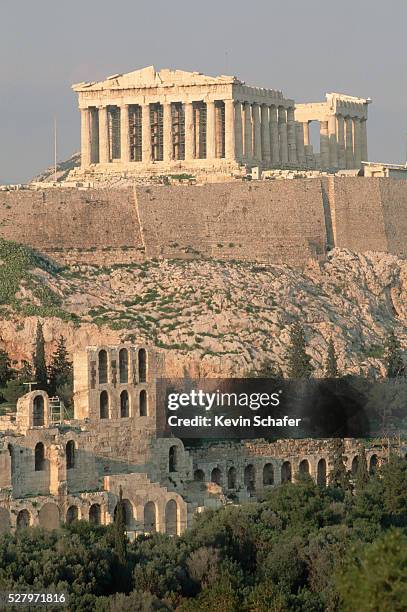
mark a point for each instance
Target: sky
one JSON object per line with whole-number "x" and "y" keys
{"x": 303, "y": 47}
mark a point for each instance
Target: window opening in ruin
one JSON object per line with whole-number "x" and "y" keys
{"x": 321, "y": 473}
{"x": 124, "y": 365}
{"x": 142, "y": 365}
{"x": 232, "y": 478}
{"x": 250, "y": 478}
{"x": 104, "y": 405}
{"x": 113, "y": 117}
{"x": 268, "y": 475}
{"x": 124, "y": 404}
{"x": 178, "y": 130}
{"x": 220, "y": 128}
{"x": 95, "y": 514}
{"x": 157, "y": 131}
{"x": 373, "y": 464}
{"x": 173, "y": 459}
{"x": 94, "y": 135}
{"x": 171, "y": 518}
{"x": 23, "y": 519}
{"x": 70, "y": 455}
{"x": 39, "y": 457}
{"x": 150, "y": 517}
{"x": 200, "y": 129}
{"x": 216, "y": 476}
{"x": 72, "y": 514}
{"x": 135, "y": 128}
{"x": 355, "y": 464}
{"x": 143, "y": 403}
{"x": 38, "y": 411}
{"x": 303, "y": 468}
{"x": 102, "y": 367}
{"x": 199, "y": 475}
{"x": 286, "y": 472}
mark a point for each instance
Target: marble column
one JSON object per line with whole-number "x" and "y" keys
{"x": 306, "y": 133}
{"x": 274, "y": 140}
{"x": 324, "y": 144}
{"x": 146, "y": 133}
{"x": 85, "y": 138}
{"x": 333, "y": 143}
{"x": 341, "y": 142}
{"x": 189, "y": 131}
{"x": 357, "y": 142}
{"x": 210, "y": 130}
{"x": 350, "y": 162}
{"x": 256, "y": 132}
{"x": 299, "y": 135}
{"x": 282, "y": 132}
{"x": 104, "y": 150}
{"x": 167, "y": 132}
{"x": 265, "y": 135}
{"x": 124, "y": 134}
{"x": 292, "y": 141}
{"x": 238, "y": 131}
{"x": 248, "y": 139}
{"x": 230, "y": 136}
{"x": 363, "y": 136}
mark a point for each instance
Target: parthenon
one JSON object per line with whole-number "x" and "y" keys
{"x": 172, "y": 120}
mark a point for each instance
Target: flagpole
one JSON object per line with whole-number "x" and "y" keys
{"x": 55, "y": 149}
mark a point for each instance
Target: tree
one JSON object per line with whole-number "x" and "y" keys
{"x": 60, "y": 369}
{"x": 299, "y": 363}
{"x": 362, "y": 473}
{"x": 394, "y": 362}
{"x": 6, "y": 371}
{"x": 40, "y": 366}
{"x": 338, "y": 476}
{"x": 331, "y": 366}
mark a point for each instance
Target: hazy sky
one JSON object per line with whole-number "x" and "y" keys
{"x": 304, "y": 47}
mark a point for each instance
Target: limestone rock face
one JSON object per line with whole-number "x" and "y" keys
{"x": 213, "y": 318}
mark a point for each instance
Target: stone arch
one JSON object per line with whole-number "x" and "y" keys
{"x": 268, "y": 475}
{"x": 104, "y": 405}
{"x": 124, "y": 404}
{"x": 72, "y": 514}
{"x": 373, "y": 462}
{"x": 303, "y": 466}
{"x": 286, "y": 472}
{"x": 23, "y": 519}
{"x": 128, "y": 513}
{"x": 48, "y": 516}
{"x": 39, "y": 457}
{"x": 216, "y": 476}
{"x": 171, "y": 517}
{"x": 321, "y": 473}
{"x": 232, "y": 478}
{"x": 70, "y": 454}
{"x": 4, "y": 520}
{"x": 355, "y": 464}
{"x": 199, "y": 475}
{"x": 142, "y": 365}
{"x": 38, "y": 411}
{"x": 95, "y": 514}
{"x": 250, "y": 477}
{"x": 123, "y": 365}
{"x": 173, "y": 459}
{"x": 150, "y": 517}
{"x": 143, "y": 403}
{"x": 102, "y": 367}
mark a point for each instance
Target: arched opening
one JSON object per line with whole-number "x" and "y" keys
{"x": 39, "y": 457}
{"x": 23, "y": 519}
{"x": 142, "y": 365}
{"x": 150, "y": 518}
{"x": 250, "y": 478}
{"x": 286, "y": 472}
{"x": 303, "y": 468}
{"x": 123, "y": 365}
{"x": 216, "y": 476}
{"x": 199, "y": 475}
{"x": 268, "y": 475}
{"x": 104, "y": 405}
{"x": 373, "y": 464}
{"x": 95, "y": 514}
{"x": 72, "y": 514}
{"x": 143, "y": 403}
{"x": 48, "y": 516}
{"x": 355, "y": 464}
{"x": 4, "y": 520}
{"x": 171, "y": 518}
{"x": 38, "y": 411}
{"x": 70, "y": 455}
{"x": 232, "y": 478}
{"x": 321, "y": 473}
{"x": 102, "y": 362}
{"x": 173, "y": 459}
{"x": 124, "y": 404}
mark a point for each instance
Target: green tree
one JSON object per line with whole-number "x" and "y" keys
{"x": 119, "y": 526}
{"x": 393, "y": 357}
{"x": 331, "y": 366}
{"x": 6, "y": 371}
{"x": 338, "y": 476}
{"x": 362, "y": 473}
{"x": 40, "y": 366}
{"x": 60, "y": 374}
{"x": 298, "y": 362}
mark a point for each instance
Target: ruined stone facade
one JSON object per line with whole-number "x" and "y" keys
{"x": 57, "y": 470}
{"x": 172, "y": 121}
